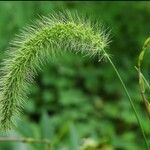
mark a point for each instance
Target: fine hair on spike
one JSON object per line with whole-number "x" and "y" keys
{"x": 30, "y": 50}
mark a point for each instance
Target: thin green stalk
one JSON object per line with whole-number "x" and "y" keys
{"x": 131, "y": 101}
{"x": 46, "y": 142}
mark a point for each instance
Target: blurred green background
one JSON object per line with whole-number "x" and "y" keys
{"x": 74, "y": 99}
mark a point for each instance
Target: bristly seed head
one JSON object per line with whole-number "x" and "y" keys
{"x": 29, "y": 51}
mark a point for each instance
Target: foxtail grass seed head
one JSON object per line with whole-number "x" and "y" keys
{"x": 33, "y": 47}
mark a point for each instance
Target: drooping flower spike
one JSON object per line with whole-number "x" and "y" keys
{"x": 33, "y": 47}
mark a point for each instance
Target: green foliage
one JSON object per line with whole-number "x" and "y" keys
{"x": 106, "y": 116}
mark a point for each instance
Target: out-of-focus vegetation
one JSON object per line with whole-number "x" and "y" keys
{"x": 77, "y": 101}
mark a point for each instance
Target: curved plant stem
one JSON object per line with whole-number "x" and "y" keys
{"x": 142, "y": 78}
{"x": 27, "y": 140}
{"x": 131, "y": 102}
